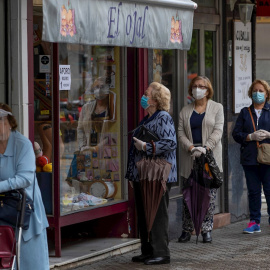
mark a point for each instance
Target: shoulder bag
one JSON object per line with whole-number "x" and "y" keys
{"x": 263, "y": 156}
{"x": 146, "y": 135}
{"x": 11, "y": 204}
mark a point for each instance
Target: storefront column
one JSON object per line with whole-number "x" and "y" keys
{"x": 18, "y": 59}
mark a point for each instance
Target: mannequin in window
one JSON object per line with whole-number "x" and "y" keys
{"x": 45, "y": 133}
{"x": 92, "y": 116}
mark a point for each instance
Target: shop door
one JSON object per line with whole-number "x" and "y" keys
{"x": 3, "y": 86}
{"x": 202, "y": 60}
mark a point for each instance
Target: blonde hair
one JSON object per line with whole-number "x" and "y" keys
{"x": 162, "y": 95}
{"x": 207, "y": 82}
{"x": 265, "y": 86}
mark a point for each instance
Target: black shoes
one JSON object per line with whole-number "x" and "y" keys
{"x": 207, "y": 238}
{"x": 140, "y": 258}
{"x": 185, "y": 237}
{"x": 158, "y": 260}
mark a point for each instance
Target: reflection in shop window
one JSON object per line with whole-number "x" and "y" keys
{"x": 163, "y": 66}
{"x": 90, "y": 167}
{"x": 193, "y": 61}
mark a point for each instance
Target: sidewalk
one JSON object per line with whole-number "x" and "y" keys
{"x": 230, "y": 249}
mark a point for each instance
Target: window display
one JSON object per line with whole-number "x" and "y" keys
{"x": 90, "y": 166}
{"x": 163, "y": 70}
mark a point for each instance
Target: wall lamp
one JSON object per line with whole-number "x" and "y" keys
{"x": 245, "y": 10}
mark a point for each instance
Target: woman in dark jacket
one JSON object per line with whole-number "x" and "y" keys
{"x": 156, "y": 101}
{"x": 257, "y": 174}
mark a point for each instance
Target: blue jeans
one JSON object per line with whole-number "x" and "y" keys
{"x": 257, "y": 176}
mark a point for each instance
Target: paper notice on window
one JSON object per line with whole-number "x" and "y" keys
{"x": 64, "y": 77}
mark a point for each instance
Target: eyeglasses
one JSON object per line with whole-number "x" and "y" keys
{"x": 199, "y": 86}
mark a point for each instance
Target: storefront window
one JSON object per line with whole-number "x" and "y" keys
{"x": 163, "y": 70}
{"x": 210, "y": 57}
{"x": 193, "y": 60}
{"x": 90, "y": 162}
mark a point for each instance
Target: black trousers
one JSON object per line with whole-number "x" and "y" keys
{"x": 157, "y": 246}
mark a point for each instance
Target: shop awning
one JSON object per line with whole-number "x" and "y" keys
{"x": 143, "y": 24}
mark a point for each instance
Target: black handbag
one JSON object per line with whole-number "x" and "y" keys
{"x": 216, "y": 173}
{"x": 11, "y": 208}
{"x": 146, "y": 135}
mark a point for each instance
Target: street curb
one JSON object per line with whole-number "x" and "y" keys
{"x": 98, "y": 256}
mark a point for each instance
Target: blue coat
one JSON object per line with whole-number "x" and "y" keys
{"x": 17, "y": 170}
{"x": 161, "y": 123}
{"x": 244, "y": 126}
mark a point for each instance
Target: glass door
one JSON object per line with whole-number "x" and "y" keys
{"x": 202, "y": 60}
{"x": 202, "y": 56}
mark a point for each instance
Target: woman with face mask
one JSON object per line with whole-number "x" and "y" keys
{"x": 156, "y": 102}
{"x": 92, "y": 116}
{"x": 200, "y": 128}
{"x": 257, "y": 175}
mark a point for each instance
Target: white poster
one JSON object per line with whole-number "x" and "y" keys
{"x": 242, "y": 65}
{"x": 64, "y": 77}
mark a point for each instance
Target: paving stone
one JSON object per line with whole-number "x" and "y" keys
{"x": 230, "y": 250}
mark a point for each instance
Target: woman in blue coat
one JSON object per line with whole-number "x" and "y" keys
{"x": 257, "y": 175}
{"x": 156, "y": 101}
{"x": 17, "y": 170}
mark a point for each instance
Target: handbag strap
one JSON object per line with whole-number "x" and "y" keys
{"x": 253, "y": 124}
{"x": 154, "y": 148}
{"x": 34, "y": 189}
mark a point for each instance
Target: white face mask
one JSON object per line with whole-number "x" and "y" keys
{"x": 101, "y": 92}
{"x": 198, "y": 93}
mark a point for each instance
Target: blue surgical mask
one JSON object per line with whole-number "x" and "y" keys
{"x": 144, "y": 101}
{"x": 258, "y": 97}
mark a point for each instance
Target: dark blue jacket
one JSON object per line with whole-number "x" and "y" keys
{"x": 244, "y": 126}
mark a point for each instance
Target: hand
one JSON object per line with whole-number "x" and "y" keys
{"x": 201, "y": 149}
{"x": 197, "y": 151}
{"x": 139, "y": 144}
{"x": 131, "y": 184}
{"x": 257, "y": 136}
{"x": 267, "y": 133}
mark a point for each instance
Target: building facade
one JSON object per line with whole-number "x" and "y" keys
{"x": 48, "y": 83}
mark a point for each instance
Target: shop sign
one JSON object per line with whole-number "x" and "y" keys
{"x": 263, "y": 8}
{"x": 131, "y": 24}
{"x": 242, "y": 65}
{"x": 64, "y": 77}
